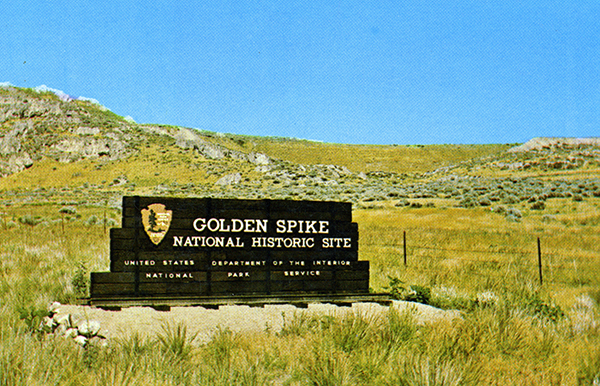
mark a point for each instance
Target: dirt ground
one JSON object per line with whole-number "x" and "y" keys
{"x": 148, "y": 321}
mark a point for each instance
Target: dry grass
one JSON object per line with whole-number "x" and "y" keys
{"x": 364, "y": 158}
{"x": 504, "y": 342}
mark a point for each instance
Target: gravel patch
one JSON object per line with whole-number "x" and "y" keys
{"x": 240, "y": 319}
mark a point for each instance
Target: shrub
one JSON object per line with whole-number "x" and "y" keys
{"x": 468, "y": 202}
{"x": 485, "y": 201}
{"x": 538, "y": 205}
{"x": 511, "y": 199}
{"x": 414, "y": 293}
{"x": 402, "y": 203}
{"x": 92, "y": 220}
{"x": 80, "y": 281}
{"x": 35, "y": 319}
{"x": 514, "y": 212}
{"x": 30, "y": 220}
{"x": 68, "y": 210}
{"x": 501, "y": 209}
{"x": 545, "y": 311}
{"x": 548, "y": 218}
{"x": 449, "y": 298}
{"x": 111, "y": 222}
{"x": 487, "y": 299}
{"x": 513, "y": 218}
{"x": 396, "y": 287}
{"x": 419, "y": 294}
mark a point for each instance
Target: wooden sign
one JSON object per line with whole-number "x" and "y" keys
{"x": 172, "y": 247}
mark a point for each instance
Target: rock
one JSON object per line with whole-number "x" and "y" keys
{"x": 83, "y": 130}
{"x": 211, "y": 152}
{"x": 259, "y": 158}
{"x": 21, "y": 161}
{"x": 187, "y": 139}
{"x": 15, "y": 164}
{"x": 540, "y": 143}
{"x": 74, "y": 149}
{"x": 9, "y": 144}
{"x": 155, "y": 130}
{"x": 262, "y": 169}
{"x": 229, "y": 179}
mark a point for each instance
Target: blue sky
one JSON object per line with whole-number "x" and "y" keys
{"x": 356, "y": 71}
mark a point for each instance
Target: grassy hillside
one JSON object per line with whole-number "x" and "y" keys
{"x": 367, "y": 158}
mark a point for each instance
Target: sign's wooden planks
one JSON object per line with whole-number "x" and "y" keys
{"x": 170, "y": 247}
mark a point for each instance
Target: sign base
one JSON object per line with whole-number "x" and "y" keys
{"x": 298, "y": 300}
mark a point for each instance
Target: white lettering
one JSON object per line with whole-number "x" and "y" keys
{"x": 323, "y": 226}
{"x": 261, "y": 225}
{"x": 201, "y": 226}
{"x": 223, "y": 227}
{"x": 213, "y": 225}
{"x": 237, "y": 225}
{"x": 280, "y": 226}
{"x": 178, "y": 240}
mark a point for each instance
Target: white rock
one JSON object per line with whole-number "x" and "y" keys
{"x": 229, "y": 179}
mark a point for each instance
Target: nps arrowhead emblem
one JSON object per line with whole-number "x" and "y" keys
{"x": 156, "y": 220}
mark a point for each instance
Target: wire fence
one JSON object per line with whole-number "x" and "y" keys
{"x": 564, "y": 266}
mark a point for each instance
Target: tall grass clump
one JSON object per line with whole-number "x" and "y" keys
{"x": 176, "y": 341}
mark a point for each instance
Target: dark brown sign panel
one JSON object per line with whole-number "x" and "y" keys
{"x": 173, "y": 247}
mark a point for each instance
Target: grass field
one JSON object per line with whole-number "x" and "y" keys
{"x": 513, "y": 330}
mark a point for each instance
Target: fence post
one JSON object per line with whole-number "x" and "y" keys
{"x": 404, "y": 245}
{"x": 540, "y": 260}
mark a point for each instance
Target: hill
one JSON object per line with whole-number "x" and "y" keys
{"x": 57, "y": 149}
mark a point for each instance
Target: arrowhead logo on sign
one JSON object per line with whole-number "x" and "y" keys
{"x": 156, "y": 220}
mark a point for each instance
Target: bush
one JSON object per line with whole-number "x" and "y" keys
{"x": 548, "y": 218}
{"x": 68, "y": 210}
{"x": 419, "y": 294}
{"x": 92, "y": 220}
{"x": 402, "y": 203}
{"x": 514, "y": 212}
{"x": 484, "y": 201}
{"x": 513, "y": 218}
{"x": 30, "y": 220}
{"x": 511, "y": 199}
{"x": 545, "y": 311}
{"x": 414, "y": 293}
{"x": 538, "y": 205}
{"x": 501, "y": 209}
{"x": 80, "y": 281}
{"x": 468, "y": 202}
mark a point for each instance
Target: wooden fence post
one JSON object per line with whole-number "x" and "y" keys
{"x": 404, "y": 245}
{"x": 540, "y": 260}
